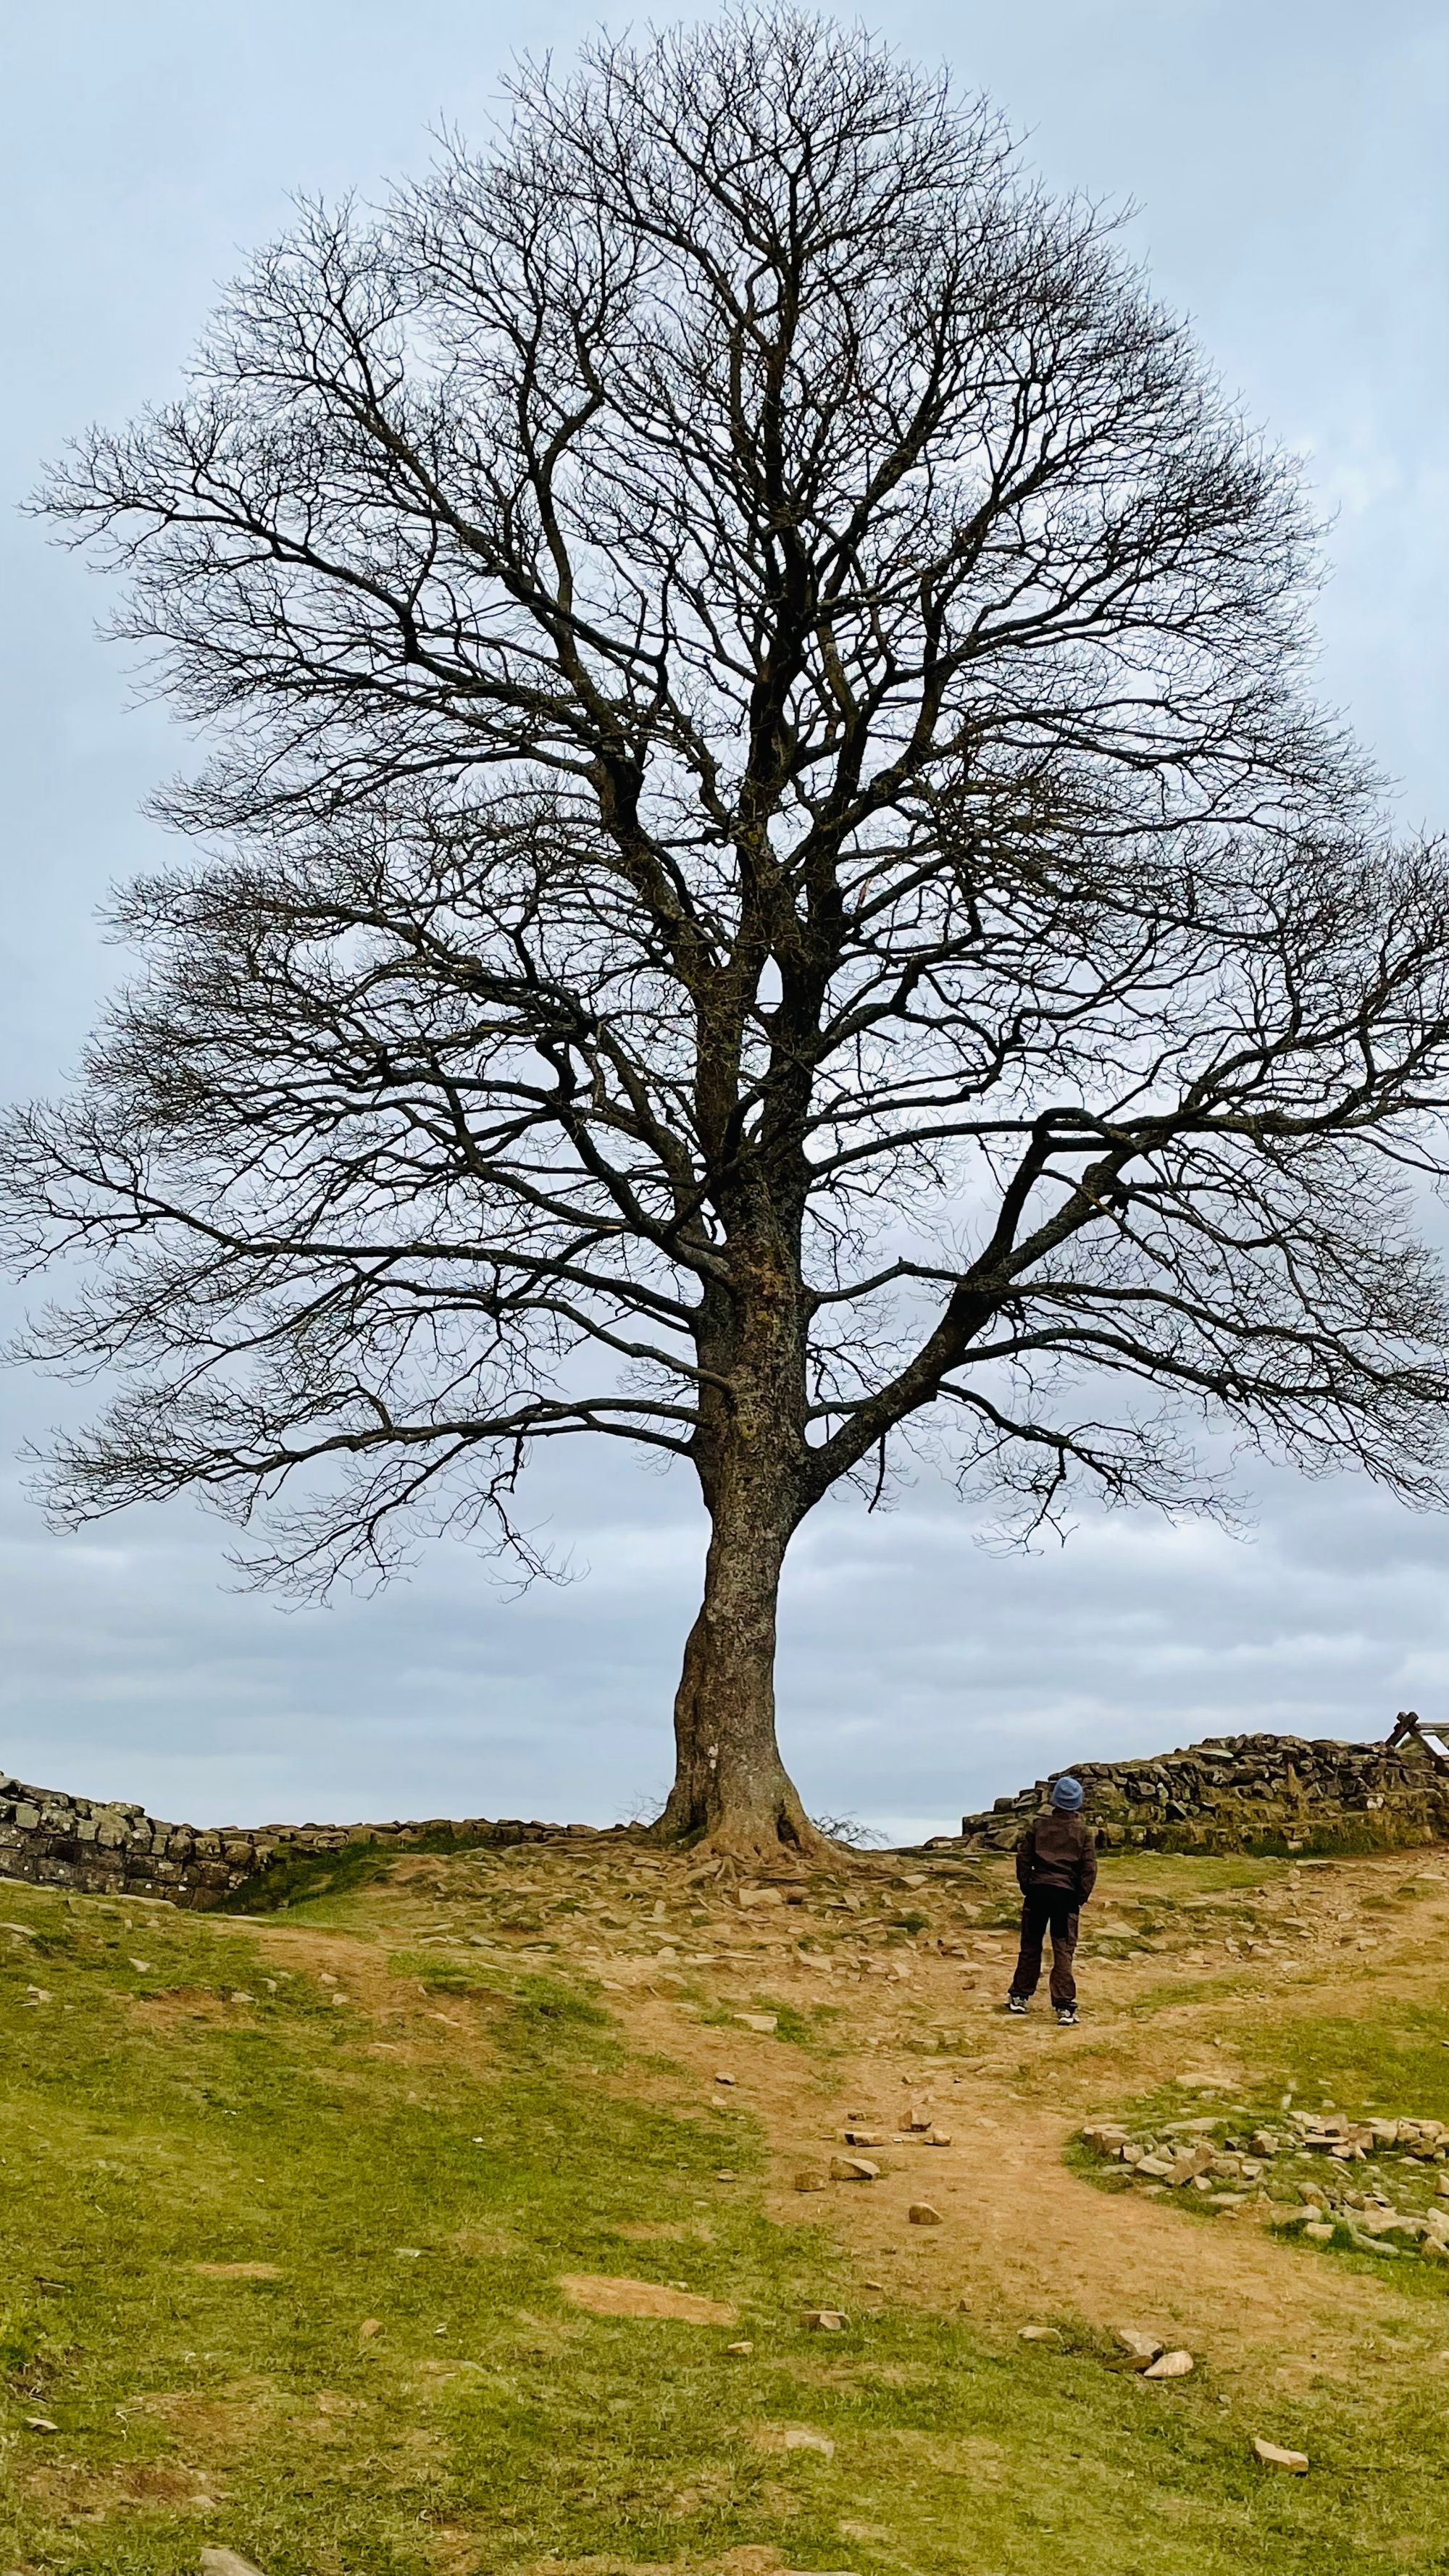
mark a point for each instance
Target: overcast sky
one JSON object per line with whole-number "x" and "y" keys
{"x": 1288, "y": 168}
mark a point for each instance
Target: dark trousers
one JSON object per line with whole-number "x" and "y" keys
{"x": 1046, "y": 1909}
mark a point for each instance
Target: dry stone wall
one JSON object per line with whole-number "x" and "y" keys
{"x": 113, "y": 1848}
{"x": 1230, "y": 1793}
{"x": 1248, "y": 1793}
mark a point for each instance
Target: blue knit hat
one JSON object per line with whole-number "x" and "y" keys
{"x": 1067, "y": 1792}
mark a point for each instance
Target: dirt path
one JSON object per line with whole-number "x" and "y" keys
{"x": 1022, "y": 2238}
{"x": 1025, "y": 2239}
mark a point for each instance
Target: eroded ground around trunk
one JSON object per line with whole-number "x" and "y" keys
{"x": 498, "y": 2211}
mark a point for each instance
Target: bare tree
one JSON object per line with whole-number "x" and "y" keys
{"x": 770, "y": 882}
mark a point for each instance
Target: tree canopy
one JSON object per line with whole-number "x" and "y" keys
{"x": 767, "y": 883}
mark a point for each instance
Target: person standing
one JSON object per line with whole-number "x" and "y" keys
{"x": 1056, "y": 1870}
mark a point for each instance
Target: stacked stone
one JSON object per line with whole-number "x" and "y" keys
{"x": 1248, "y": 1793}
{"x": 105, "y": 1847}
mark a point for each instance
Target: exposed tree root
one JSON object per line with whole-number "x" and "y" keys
{"x": 778, "y": 1846}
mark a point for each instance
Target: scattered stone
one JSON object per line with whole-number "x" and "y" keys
{"x": 1040, "y": 2334}
{"x": 823, "y": 2320}
{"x": 1169, "y": 2365}
{"x": 922, "y": 2214}
{"x": 724, "y": 2079}
{"x": 1273, "y": 2457}
{"x": 40, "y": 2424}
{"x": 811, "y": 2179}
{"x": 939, "y": 2138}
{"x": 1387, "y": 2222}
{"x": 853, "y": 2169}
{"x": 764, "y": 2023}
{"x": 855, "y": 2137}
{"x": 739, "y": 2347}
{"x": 370, "y": 2326}
{"x": 1156, "y": 2168}
{"x": 1190, "y": 2164}
{"x": 799, "y": 2437}
{"x": 1139, "y": 2348}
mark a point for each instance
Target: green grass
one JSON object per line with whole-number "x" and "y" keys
{"x": 295, "y": 1880}
{"x": 486, "y": 2423}
{"x": 1392, "y": 2060}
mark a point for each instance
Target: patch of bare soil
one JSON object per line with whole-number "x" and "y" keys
{"x": 237, "y": 2271}
{"x": 180, "y": 2007}
{"x": 212, "y": 2426}
{"x": 74, "y": 2492}
{"x": 661, "y": 2231}
{"x": 605, "y": 2296}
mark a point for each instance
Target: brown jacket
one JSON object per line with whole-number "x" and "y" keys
{"x": 1057, "y": 1851}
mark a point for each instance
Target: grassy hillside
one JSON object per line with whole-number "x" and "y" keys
{"x": 299, "y": 2215}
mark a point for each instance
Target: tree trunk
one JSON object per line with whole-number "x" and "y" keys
{"x": 730, "y": 1784}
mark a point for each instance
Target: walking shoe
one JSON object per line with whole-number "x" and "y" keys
{"x": 1016, "y": 2003}
{"x": 1067, "y": 2016}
